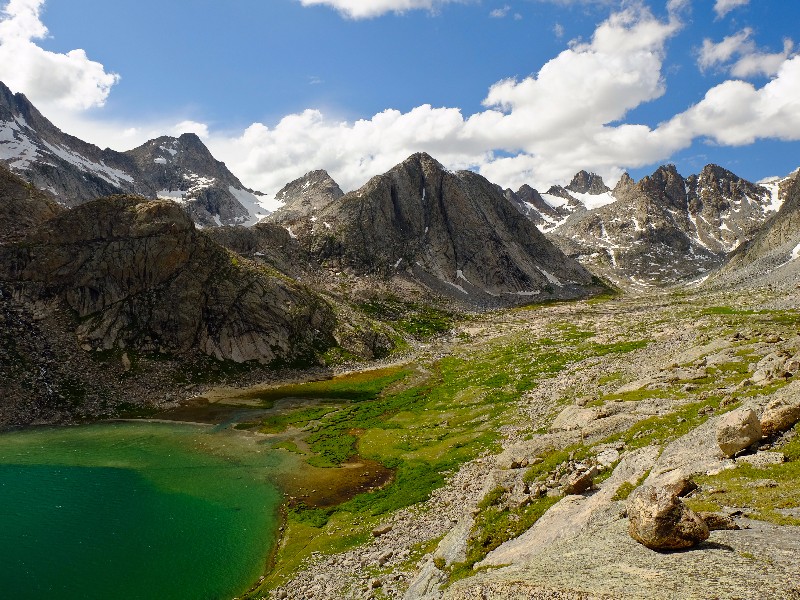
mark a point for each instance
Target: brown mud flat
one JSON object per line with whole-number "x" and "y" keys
{"x": 317, "y": 487}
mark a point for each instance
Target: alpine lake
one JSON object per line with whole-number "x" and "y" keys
{"x": 187, "y": 505}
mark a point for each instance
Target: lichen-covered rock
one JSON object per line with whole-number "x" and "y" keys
{"x": 659, "y": 520}
{"x": 139, "y": 275}
{"x": 738, "y": 430}
{"x": 781, "y": 413}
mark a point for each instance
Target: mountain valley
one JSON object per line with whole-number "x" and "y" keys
{"x": 478, "y": 384}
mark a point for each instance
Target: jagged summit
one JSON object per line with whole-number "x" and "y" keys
{"x": 306, "y": 195}
{"x": 665, "y": 228}
{"x": 587, "y": 183}
{"x": 181, "y": 169}
{"x": 453, "y": 233}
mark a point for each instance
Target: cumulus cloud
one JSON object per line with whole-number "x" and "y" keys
{"x": 67, "y": 81}
{"x": 723, "y": 7}
{"x": 749, "y": 60}
{"x": 366, "y": 9}
{"x": 735, "y": 113}
{"x": 556, "y": 121}
{"x": 571, "y": 114}
{"x": 500, "y": 13}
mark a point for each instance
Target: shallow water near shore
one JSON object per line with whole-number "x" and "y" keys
{"x": 136, "y": 510}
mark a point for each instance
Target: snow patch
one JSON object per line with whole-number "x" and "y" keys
{"x": 257, "y": 205}
{"x": 160, "y": 161}
{"x": 102, "y": 170}
{"x": 550, "y": 277}
{"x": 796, "y": 252}
{"x": 554, "y": 201}
{"x": 592, "y": 201}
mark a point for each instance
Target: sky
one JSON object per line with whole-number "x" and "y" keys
{"x": 521, "y": 91}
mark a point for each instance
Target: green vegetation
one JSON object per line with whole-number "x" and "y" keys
{"x": 495, "y": 524}
{"x": 418, "y": 320}
{"x": 422, "y": 430}
{"x": 763, "y": 491}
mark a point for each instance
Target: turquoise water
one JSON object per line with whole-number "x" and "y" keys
{"x": 135, "y": 510}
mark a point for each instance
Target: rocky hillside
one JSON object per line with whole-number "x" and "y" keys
{"x": 665, "y": 228}
{"x": 452, "y": 233}
{"x": 770, "y": 257}
{"x": 22, "y": 206}
{"x": 139, "y": 275}
{"x": 305, "y": 196}
{"x": 180, "y": 169}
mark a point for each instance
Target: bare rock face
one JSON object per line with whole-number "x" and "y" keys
{"x": 781, "y": 413}
{"x": 452, "y": 233}
{"x": 659, "y": 520}
{"x": 22, "y": 206}
{"x": 738, "y": 430}
{"x": 587, "y": 183}
{"x": 305, "y": 196}
{"x": 138, "y": 275}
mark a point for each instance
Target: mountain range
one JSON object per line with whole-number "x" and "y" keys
{"x": 179, "y": 169}
{"x": 105, "y": 247}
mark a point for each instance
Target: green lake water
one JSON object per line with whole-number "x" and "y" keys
{"x": 135, "y": 510}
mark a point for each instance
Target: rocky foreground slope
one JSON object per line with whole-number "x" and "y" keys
{"x": 548, "y": 517}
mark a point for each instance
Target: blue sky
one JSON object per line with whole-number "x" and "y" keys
{"x": 520, "y": 90}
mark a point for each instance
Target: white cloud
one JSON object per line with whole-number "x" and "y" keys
{"x": 713, "y": 54}
{"x": 500, "y": 13}
{"x": 723, "y": 7}
{"x": 735, "y": 113}
{"x": 366, "y": 9}
{"x": 558, "y": 29}
{"x": 557, "y": 121}
{"x": 201, "y": 129}
{"x": 569, "y": 115}
{"x": 750, "y": 61}
{"x": 64, "y": 81}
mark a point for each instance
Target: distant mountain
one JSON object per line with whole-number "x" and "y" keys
{"x": 550, "y": 210}
{"x": 771, "y": 256}
{"x": 452, "y": 233}
{"x": 305, "y": 196}
{"x": 660, "y": 230}
{"x": 180, "y": 169}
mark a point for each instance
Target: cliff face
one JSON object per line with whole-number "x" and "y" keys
{"x": 454, "y": 233}
{"x": 139, "y": 275}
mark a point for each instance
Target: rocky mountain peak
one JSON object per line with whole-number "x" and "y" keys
{"x": 305, "y": 196}
{"x": 451, "y": 233}
{"x": 587, "y": 183}
{"x": 665, "y": 185}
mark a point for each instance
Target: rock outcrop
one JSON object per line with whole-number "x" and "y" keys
{"x": 139, "y": 275}
{"x": 22, "y": 206}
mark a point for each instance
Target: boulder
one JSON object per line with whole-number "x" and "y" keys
{"x": 780, "y": 414}
{"x": 659, "y": 520}
{"x": 580, "y": 481}
{"x": 738, "y": 430}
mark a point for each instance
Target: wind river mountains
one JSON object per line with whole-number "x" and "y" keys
{"x": 179, "y": 169}
{"x": 660, "y": 230}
